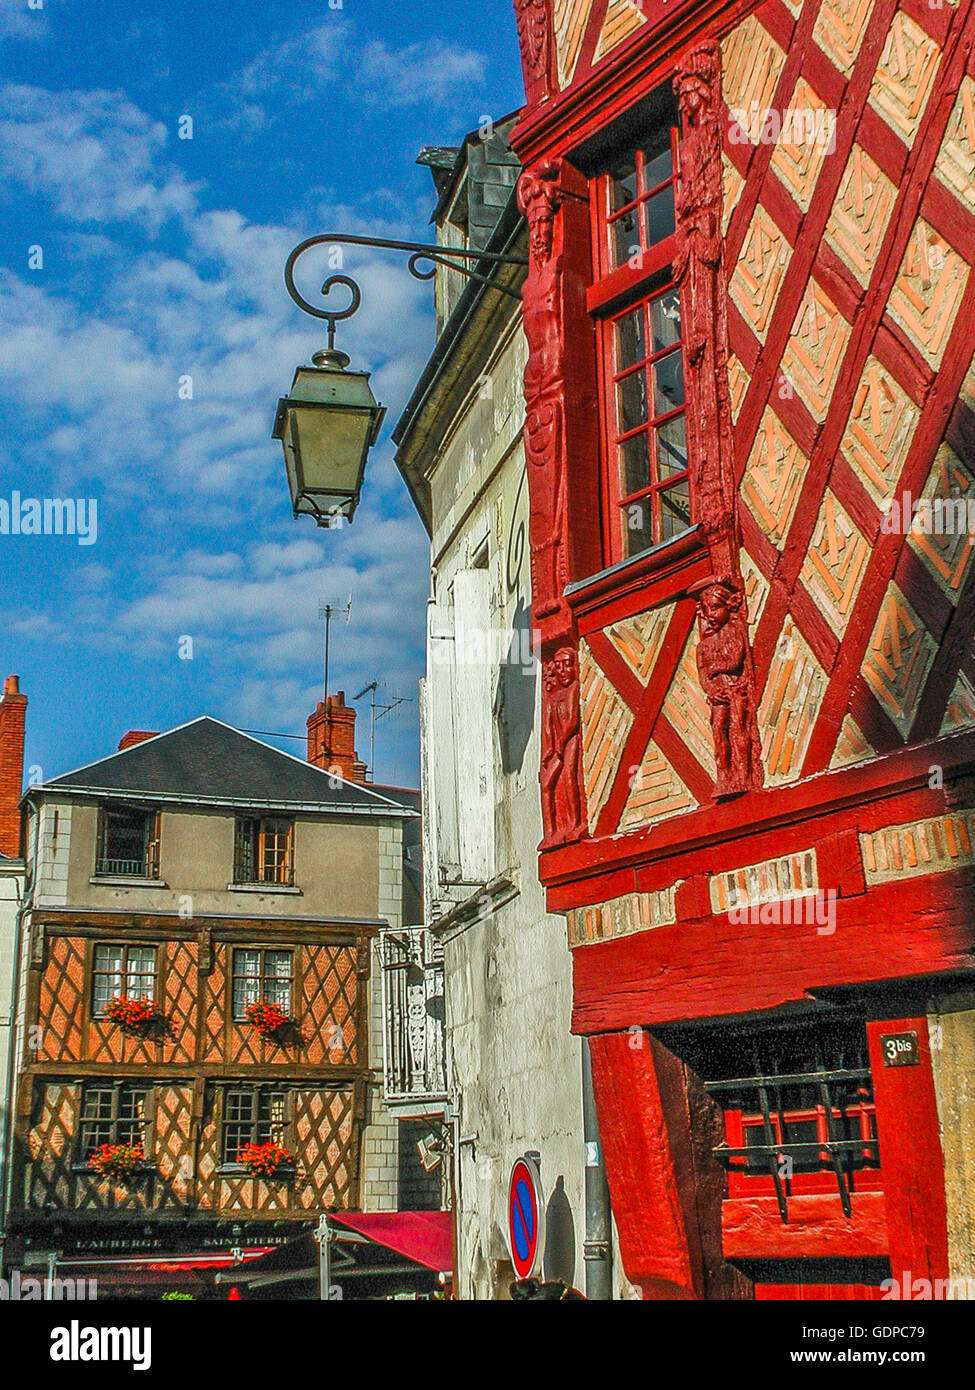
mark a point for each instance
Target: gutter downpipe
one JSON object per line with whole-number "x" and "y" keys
{"x": 598, "y": 1246}
{"x": 6, "y": 1154}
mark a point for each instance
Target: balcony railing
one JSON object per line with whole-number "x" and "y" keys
{"x": 126, "y": 868}
{"x": 414, "y": 1047}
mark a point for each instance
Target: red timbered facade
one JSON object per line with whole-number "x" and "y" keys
{"x": 750, "y": 434}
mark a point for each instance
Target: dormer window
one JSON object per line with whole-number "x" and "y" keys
{"x": 128, "y": 842}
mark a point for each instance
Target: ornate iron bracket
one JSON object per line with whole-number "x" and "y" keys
{"x": 451, "y": 257}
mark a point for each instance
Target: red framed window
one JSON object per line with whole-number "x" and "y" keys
{"x": 649, "y": 491}
{"x": 637, "y": 311}
{"x": 803, "y": 1139}
{"x": 799, "y": 1113}
{"x": 635, "y": 200}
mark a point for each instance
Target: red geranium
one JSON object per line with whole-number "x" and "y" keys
{"x": 264, "y": 1160}
{"x": 269, "y": 1020}
{"x": 117, "y": 1161}
{"x": 138, "y": 1016}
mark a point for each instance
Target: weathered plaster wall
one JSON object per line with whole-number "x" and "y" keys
{"x": 952, "y": 1036}
{"x": 514, "y": 1067}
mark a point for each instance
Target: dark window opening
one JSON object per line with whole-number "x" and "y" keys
{"x": 420, "y": 1187}
{"x": 128, "y": 842}
{"x": 798, "y": 1106}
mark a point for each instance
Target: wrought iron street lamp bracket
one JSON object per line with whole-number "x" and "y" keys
{"x": 453, "y": 257}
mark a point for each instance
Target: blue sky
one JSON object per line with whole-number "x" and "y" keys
{"x": 162, "y": 259}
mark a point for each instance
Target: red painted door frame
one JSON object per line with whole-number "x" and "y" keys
{"x": 911, "y": 1156}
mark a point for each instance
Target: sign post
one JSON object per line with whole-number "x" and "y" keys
{"x": 526, "y": 1218}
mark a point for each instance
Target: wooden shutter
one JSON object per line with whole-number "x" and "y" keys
{"x": 473, "y": 723}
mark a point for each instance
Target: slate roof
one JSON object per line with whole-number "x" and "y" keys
{"x": 209, "y": 763}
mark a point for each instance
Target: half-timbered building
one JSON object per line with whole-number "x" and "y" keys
{"x": 204, "y": 876}
{"x": 750, "y": 438}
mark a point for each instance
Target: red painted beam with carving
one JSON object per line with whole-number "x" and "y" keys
{"x": 817, "y": 1229}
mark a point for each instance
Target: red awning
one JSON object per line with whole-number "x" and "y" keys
{"x": 421, "y": 1236}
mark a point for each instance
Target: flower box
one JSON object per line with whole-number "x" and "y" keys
{"x": 140, "y": 1018}
{"x": 264, "y": 1160}
{"x": 119, "y": 1162}
{"x": 272, "y": 1022}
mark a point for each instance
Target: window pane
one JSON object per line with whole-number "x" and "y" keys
{"x": 277, "y": 978}
{"x": 271, "y": 1129}
{"x": 665, "y": 320}
{"x": 247, "y": 981}
{"x": 658, "y": 213}
{"x": 278, "y": 963}
{"x": 637, "y": 526}
{"x": 668, "y": 383}
{"x": 657, "y": 167}
{"x": 622, "y": 183}
{"x": 625, "y": 237}
{"x": 634, "y": 464}
{"x": 631, "y": 339}
{"x": 631, "y": 395}
{"x": 675, "y": 510}
{"x": 108, "y": 958}
{"x": 671, "y": 445}
{"x": 247, "y": 963}
{"x": 98, "y": 1105}
{"x": 140, "y": 973}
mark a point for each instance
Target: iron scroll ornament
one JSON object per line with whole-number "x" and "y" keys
{"x": 451, "y": 257}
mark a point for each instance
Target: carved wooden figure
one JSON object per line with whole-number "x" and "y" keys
{"x": 561, "y": 769}
{"x": 724, "y": 667}
{"x": 699, "y": 271}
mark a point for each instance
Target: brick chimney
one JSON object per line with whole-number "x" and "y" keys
{"x": 135, "y": 736}
{"x": 331, "y": 738}
{"x": 13, "y": 714}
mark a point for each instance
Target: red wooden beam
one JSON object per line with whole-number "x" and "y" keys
{"x": 910, "y": 1153}
{"x": 712, "y": 967}
{"x": 641, "y": 1099}
{"x": 817, "y": 1229}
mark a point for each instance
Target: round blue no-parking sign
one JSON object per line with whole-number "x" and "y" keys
{"x": 526, "y": 1218}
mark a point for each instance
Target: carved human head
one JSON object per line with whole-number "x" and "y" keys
{"x": 564, "y": 665}
{"x": 717, "y": 600}
{"x": 696, "y": 82}
{"x": 538, "y": 198}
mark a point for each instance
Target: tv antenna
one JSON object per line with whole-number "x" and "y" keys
{"x": 326, "y": 612}
{"x": 395, "y": 700}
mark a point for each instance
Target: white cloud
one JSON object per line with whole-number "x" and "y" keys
{"x": 421, "y": 73}
{"x": 17, "y": 21}
{"x": 327, "y": 61}
{"x": 94, "y": 154}
{"x": 195, "y": 529}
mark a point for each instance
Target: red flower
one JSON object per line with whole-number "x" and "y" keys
{"x": 264, "y": 1160}
{"x": 117, "y": 1161}
{"x": 267, "y": 1018}
{"x": 133, "y": 1015}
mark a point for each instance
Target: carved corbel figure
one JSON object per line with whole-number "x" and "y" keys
{"x": 724, "y": 667}
{"x": 561, "y": 767}
{"x": 700, "y": 273}
{"x": 539, "y": 198}
{"x": 533, "y": 39}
